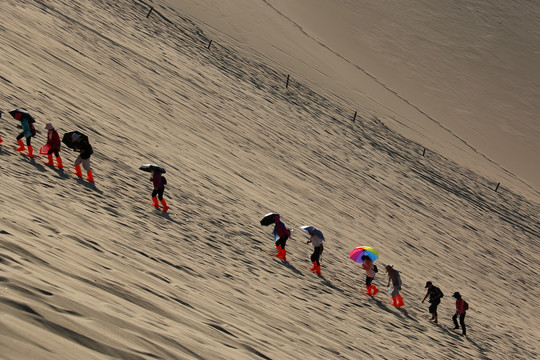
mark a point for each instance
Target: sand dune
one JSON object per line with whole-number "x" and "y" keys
{"x": 91, "y": 271}
{"x": 459, "y": 78}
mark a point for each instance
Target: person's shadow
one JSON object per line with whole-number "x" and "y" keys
{"x": 41, "y": 166}
{"x": 167, "y": 215}
{"x": 331, "y": 285}
{"x": 90, "y": 185}
{"x": 291, "y": 267}
{"x": 480, "y": 348}
{"x": 60, "y": 172}
{"x": 38, "y": 164}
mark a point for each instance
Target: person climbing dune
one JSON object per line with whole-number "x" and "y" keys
{"x": 435, "y": 294}
{"x": 371, "y": 270}
{"x": 53, "y": 141}
{"x": 81, "y": 145}
{"x": 461, "y": 311}
{"x": 281, "y": 234}
{"x": 395, "y": 278}
{"x": 159, "y": 182}
{"x": 316, "y": 238}
{"x": 28, "y": 130}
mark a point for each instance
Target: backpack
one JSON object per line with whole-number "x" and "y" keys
{"x": 465, "y": 305}
{"x": 434, "y": 292}
{"x": 163, "y": 180}
{"x": 375, "y": 268}
{"x": 32, "y": 129}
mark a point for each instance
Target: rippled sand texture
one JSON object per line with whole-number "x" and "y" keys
{"x": 92, "y": 271}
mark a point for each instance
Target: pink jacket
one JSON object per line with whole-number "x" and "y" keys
{"x": 368, "y": 266}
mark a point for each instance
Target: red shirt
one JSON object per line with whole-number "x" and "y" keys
{"x": 460, "y": 306}
{"x": 282, "y": 230}
{"x": 53, "y": 139}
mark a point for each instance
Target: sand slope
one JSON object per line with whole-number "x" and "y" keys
{"x": 460, "y": 78}
{"x": 92, "y": 271}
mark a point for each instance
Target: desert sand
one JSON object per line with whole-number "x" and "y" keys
{"x": 460, "y": 78}
{"x": 93, "y": 271}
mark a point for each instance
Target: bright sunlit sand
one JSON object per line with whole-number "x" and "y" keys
{"x": 444, "y": 102}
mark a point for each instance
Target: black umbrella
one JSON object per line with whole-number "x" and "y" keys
{"x": 152, "y": 167}
{"x": 68, "y": 138}
{"x": 268, "y": 219}
{"x": 24, "y": 114}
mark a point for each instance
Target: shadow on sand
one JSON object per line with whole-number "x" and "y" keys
{"x": 167, "y": 215}
{"x": 290, "y": 267}
{"x": 89, "y": 185}
{"x": 386, "y": 305}
{"x": 36, "y": 163}
{"x": 40, "y": 165}
{"x": 61, "y": 173}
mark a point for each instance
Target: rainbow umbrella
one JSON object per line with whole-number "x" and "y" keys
{"x": 356, "y": 254}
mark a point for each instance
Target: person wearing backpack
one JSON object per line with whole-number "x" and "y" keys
{"x": 461, "y": 311}
{"x": 83, "y": 147}
{"x": 371, "y": 270}
{"x": 28, "y": 131}
{"x": 435, "y": 294}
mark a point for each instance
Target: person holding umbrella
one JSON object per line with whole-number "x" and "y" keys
{"x": 435, "y": 294}
{"x": 159, "y": 182}
{"x": 79, "y": 143}
{"x": 371, "y": 270}
{"x": 367, "y": 255}
{"x": 54, "y": 145}
{"x": 316, "y": 238}
{"x": 395, "y": 279}
{"x": 28, "y": 130}
{"x": 280, "y": 233}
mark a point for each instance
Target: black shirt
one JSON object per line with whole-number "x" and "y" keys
{"x": 433, "y": 292}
